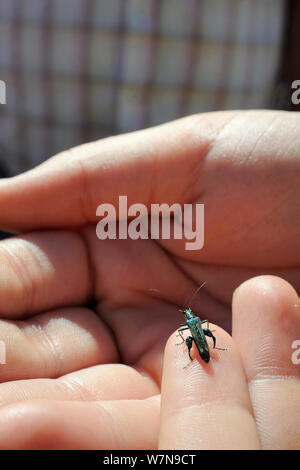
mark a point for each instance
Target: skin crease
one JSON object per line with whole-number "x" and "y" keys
{"x": 86, "y": 339}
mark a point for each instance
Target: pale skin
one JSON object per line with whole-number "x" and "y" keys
{"x": 86, "y": 340}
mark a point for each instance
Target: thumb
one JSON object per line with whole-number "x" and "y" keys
{"x": 153, "y": 165}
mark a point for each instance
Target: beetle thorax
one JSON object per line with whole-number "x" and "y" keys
{"x": 188, "y": 313}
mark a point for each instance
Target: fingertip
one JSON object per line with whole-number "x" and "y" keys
{"x": 266, "y": 315}
{"x": 196, "y": 380}
{"x": 194, "y": 390}
{"x": 265, "y": 294}
{"x": 266, "y": 283}
{"x": 266, "y": 329}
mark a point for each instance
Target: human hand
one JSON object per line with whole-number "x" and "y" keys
{"x": 90, "y": 368}
{"x": 248, "y": 396}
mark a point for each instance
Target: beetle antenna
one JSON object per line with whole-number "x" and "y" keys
{"x": 168, "y": 297}
{"x": 195, "y": 293}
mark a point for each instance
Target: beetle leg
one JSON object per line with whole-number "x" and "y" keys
{"x": 189, "y": 342}
{"x": 207, "y": 326}
{"x": 180, "y": 330}
{"x": 208, "y": 332}
{"x": 184, "y": 327}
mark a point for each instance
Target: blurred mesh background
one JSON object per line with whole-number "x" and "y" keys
{"x": 78, "y": 70}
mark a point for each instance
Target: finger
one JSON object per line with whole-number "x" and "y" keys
{"x": 101, "y": 382}
{"x": 67, "y": 189}
{"x": 182, "y": 161}
{"x": 41, "y": 271}
{"x": 205, "y": 406}
{"x": 266, "y": 322}
{"x": 55, "y": 343}
{"x": 128, "y": 424}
